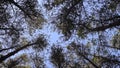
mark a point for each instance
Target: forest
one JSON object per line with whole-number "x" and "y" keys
{"x": 59, "y": 33}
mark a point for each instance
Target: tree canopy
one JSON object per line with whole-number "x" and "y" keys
{"x": 91, "y": 29}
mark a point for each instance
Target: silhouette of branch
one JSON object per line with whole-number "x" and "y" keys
{"x": 2, "y": 58}
{"x": 7, "y": 48}
{"x": 101, "y": 28}
{"x": 14, "y": 3}
{"x": 88, "y": 59}
{"x": 6, "y": 28}
{"x": 113, "y": 47}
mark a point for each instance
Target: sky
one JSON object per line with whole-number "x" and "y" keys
{"x": 53, "y": 36}
{"x": 48, "y": 30}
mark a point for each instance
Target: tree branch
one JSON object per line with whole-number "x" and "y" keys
{"x": 88, "y": 60}
{"x": 107, "y": 59}
{"x": 7, "y": 48}
{"x": 113, "y": 47}
{"x": 2, "y": 58}
{"x": 115, "y": 17}
{"x": 6, "y": 28}
{"x": 14, "y": 3}
{"x": 102, "y": 28}
{"x": 104, "y": 58}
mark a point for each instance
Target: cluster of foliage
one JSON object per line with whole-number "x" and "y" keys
{"x": 93, "y": 25}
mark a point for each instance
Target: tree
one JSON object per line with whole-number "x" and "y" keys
{"x": 97, "y": 22}
{"x": 57, "y": 56}
{"x": 15, "y": 14}
{"x": 84, "y": 19}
